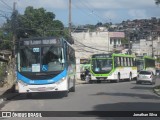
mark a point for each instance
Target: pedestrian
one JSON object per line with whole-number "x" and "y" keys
{"x": 87, "y": 75}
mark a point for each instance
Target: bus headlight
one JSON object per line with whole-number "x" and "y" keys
{"x": 64, "y": 78}
{"x": 21, "y": 82}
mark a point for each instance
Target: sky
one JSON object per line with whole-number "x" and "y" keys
{"x": 87, "y": 11}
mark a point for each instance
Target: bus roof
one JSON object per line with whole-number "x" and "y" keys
{"x": 122, "y": 55}
{"x": 148, "y": 57}
{"x": 144, "y": 57}
{"x": 111, "y": 55}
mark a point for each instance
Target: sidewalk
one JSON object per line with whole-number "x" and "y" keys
{"x": 78, "y": 81}
{"x": 6, "y": 92}
{"x": 156, "y": 89}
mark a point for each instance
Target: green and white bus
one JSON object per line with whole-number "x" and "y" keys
{"x": 146, "y": 63}
{"x": 113, "y": 67}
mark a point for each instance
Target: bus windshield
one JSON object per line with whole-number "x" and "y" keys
{"x": 149, "y": 63}
{"x": 140, "y": 65}
{"x": 101, "y": 65}
{"x": 41, "y": 59}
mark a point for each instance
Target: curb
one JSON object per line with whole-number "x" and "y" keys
{"x": 8, "y": 94}
{"x": 77, "y": 83}
{"x": 156, "y": 90}
{"x": 80, "y": 82}
{"x": 8, "y": 97}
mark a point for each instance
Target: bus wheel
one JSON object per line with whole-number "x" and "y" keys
{"x": 14, "y": 88}
{"x": 130, "y": 76}
{"x": 66, "y": 93}
{"x": 98, "y": 81}
{"x": 90, "y": 81}
{"x": 137, "y": 82}
{"x": 73, "y": 88}
{"x": 29, "y": 95}
{"x": 118, "y": 78}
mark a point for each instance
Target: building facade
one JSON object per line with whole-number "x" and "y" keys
{"x": 100, "y": 41}
{"x": 147, "y": 47}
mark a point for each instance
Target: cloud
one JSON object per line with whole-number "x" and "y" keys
{"x": 137, "y": 13}
{"x": 54, "y": 4}
{"x": 110, "y": 15}
{"x": 102, "y": 10}
{"x": 118, "y": 4}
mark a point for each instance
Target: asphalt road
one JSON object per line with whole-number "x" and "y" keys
{"x": 123, "y": 96}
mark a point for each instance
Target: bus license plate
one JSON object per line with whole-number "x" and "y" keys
{"x": 41, "y": 89}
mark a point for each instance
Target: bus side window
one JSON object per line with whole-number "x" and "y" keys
{"x": 122, "y": 61}
{"x": 129, "y": 62}
{"x": 126, "y": 61}
{"x": 116, "y": 62}
{"x": 119, "y": 61}
{"x": 134, "y": 62}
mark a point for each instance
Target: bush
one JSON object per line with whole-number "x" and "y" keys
{"x": 2, "y": 71}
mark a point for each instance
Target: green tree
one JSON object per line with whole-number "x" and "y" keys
{"x": 158, "y": 60}
{"x": 38, "y": 22}
{"x": 5, "y": 41}
{"x": 33, "y": 23}
{"x": 124, "y": 41}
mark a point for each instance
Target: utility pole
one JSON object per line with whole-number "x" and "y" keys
{"x": 152, "y": 47}
{"x": 151, "y": 35}
{"x": 14, "y": 28}
{"x": 69, "y": 18}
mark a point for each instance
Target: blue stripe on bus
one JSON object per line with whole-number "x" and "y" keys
{"x": 40, "y": 82}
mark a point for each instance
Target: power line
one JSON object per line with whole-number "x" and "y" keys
{"x": 3, "y": 15}
{"x": 80, "y": 44}
{"x": 83, "y": 11}
{"x": 2, "y": 11}
{"x": 83, "y": 45}
{"x": 6, "y": 5}
{"x": 92, "y": 12}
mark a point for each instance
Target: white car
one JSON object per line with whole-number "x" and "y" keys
{"x": 146, "y": 76}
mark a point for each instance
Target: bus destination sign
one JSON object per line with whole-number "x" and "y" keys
{"x": 102, "y": 56}
{"x": 40, "y": 42}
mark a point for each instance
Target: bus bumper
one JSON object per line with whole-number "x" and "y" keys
{"x": 58, "y": 86}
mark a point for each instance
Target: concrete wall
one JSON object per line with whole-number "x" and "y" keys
{"x": 88, "y": 43}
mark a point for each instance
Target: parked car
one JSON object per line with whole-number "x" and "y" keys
{"x": 146, "y": 76}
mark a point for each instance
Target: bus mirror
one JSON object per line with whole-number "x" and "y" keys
{"x": 63, "y": 61}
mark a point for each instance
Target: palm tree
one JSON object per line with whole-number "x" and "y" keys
{"x": 157, "y": 2}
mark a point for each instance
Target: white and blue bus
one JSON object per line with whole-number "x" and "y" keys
{"x": 45, "y": 65}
